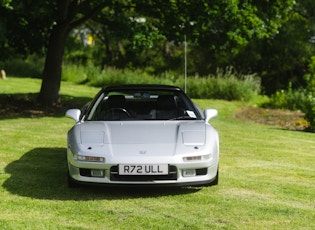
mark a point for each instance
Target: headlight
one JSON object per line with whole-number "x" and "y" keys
{"x": 89, "y": 158}
{"x": 197, "y": 158}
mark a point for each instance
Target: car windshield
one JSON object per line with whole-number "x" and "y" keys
{"x": 143, "y": 105}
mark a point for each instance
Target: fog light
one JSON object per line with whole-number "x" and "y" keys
{"x": 97, "y": 173}
{"x": 189, "y": 172}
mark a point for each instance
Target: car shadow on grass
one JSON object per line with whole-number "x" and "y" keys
{"x": 42, "y": 174}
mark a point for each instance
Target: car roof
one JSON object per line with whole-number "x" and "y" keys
{"x": 141, "y": 87}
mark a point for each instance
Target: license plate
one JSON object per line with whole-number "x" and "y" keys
{"x": 147, "y": 169}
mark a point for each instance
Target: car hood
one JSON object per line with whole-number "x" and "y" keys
{"x": 140, "y": 137}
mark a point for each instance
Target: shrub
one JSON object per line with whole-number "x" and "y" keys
{"x": 74, "y": 73}
{"x": 302, "y": 99}
{"x": 298, "y": 99}
{"x": 32, "y": 66}
{"x": 309, "y": 77}
{"x": 225, "y": 84}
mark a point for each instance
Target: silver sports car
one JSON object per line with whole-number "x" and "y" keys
{"x": 142, "y": 135}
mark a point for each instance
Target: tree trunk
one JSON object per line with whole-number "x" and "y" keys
{"x": 49, "y": 92}
{"x": 67, "y": 9}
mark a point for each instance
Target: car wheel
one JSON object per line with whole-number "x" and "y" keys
{"x": 71, "y": 182}
{"x": 216, "y": 180}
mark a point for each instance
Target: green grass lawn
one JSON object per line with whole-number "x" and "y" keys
{"x": 267, "y": 178}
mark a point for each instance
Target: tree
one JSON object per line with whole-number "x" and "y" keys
{"x": 22, "y": 30}
{"x": 281, "y": 59}
{"x": 70, "y": 14}
{"x": 218, "y": 28}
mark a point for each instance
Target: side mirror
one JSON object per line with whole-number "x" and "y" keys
{"x": 210, "y": 113}
{"x": 74, "y": 114}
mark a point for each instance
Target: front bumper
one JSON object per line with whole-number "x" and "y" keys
{"x": 108, "y": 175}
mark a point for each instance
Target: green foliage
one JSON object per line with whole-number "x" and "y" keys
{"x": 127, "y": 33}
{"x": 295, "y": 99}
{"x": 26, "y": 26}
{"x": 270, "y": 38}
{"x": 94, "y": 76}
{"x": 225, "y": 84}
{"x": 74, "y": 73}
{"x": 282, "y": 58}
{"x": 32, "y": 66}
{"x": 6, "y": 3}
{"x": 309, "y": 77}
{"x": 302, "y": 99}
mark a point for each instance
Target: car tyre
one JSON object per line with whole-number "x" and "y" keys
{"x": 71, "y": 182}
{"x": 216, "y": 180}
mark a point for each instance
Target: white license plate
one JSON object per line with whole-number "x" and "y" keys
{"x": 146, "y": 169}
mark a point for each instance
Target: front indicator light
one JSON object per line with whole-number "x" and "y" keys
{"x": 197, "y": 158}
{"x": 89, "y": 158}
